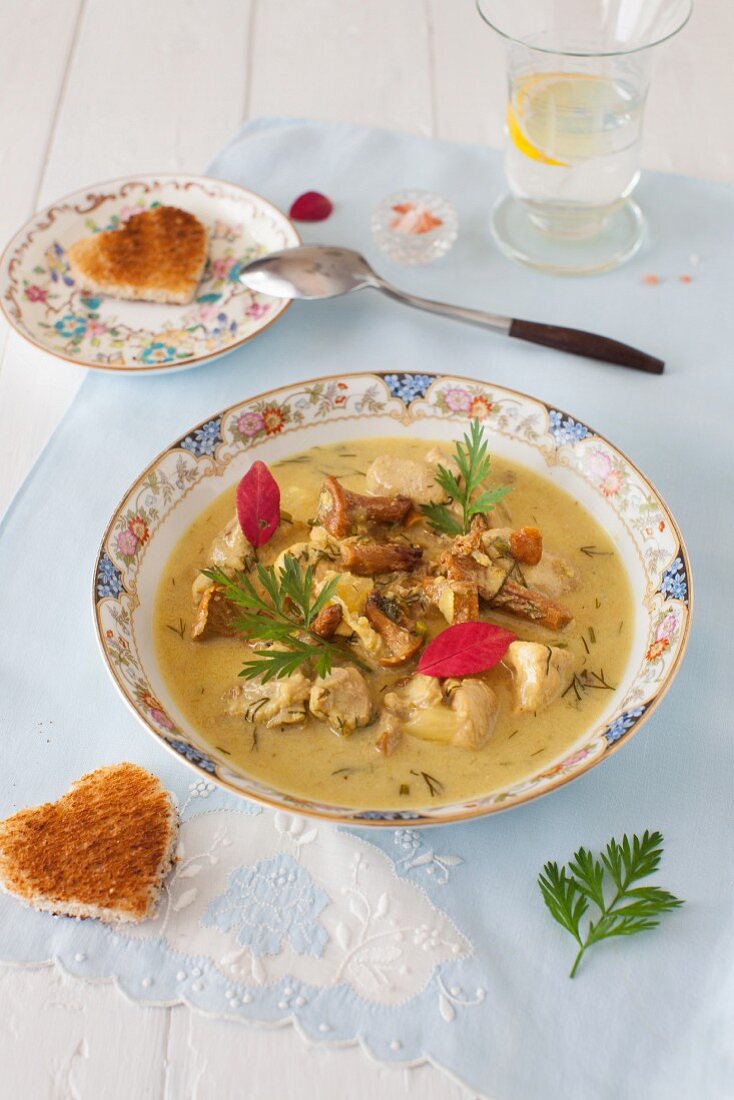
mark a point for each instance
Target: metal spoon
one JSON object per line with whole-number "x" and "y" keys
{"x": 320, "y": 271}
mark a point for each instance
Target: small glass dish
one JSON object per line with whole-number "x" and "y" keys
{"x": 415, "y": 227}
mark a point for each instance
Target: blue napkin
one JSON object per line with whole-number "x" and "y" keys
{"x": 649, "y": 1017}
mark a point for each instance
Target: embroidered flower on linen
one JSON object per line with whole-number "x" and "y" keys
{"x": 204, "y": 440}
{"x": 426, "y": 938}
{"x": 408, "y": 839}
{"x": 273, "y": 901}
{"x": 418, "y": 854}
{"x": 200, "y": 789}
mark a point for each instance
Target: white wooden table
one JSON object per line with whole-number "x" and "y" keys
{"x": 93, "y": 89}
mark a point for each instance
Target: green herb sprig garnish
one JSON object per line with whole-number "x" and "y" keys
{"x": 629, "y": 910}
{"x": 282, "y": 615}
{"x": 474, "y": 463}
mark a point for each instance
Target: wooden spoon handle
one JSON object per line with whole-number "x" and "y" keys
{"x": 578, "y": 342}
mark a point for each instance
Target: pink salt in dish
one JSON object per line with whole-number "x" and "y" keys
{"x": 415, "y": 227}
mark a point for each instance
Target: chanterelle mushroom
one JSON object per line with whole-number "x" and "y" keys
{"x": 368, "y": 559}
{"x": 340, "y": 510}
{"x": 214, "y": 615}
{"x": 398, "y": 634}
{"x": 528, "y": 603}
{"x": 231, "y": 552}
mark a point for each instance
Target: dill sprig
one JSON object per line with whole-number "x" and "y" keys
{"x": 282, "y": 616}
{"x": 630, "y": 910}
{"x": 474, "y": 464}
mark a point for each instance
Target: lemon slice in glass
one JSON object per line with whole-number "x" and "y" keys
{"x": 564, "y": 118}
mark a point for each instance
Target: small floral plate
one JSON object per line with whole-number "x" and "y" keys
{"x": 42, "y": 301}
{"x": 190, "y": 474}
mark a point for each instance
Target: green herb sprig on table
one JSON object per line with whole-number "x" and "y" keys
{"x": 282, "y": 615}
{"x": 474, "y": 465}
{"x": 630, "y": 909}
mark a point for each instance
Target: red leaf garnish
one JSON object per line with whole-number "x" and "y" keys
{"x": 258, "y": 504}
{"x": 312, "y": 206}
{"x": 465, "y": 648}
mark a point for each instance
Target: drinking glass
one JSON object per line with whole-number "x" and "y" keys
{"x": 578, "y": 73}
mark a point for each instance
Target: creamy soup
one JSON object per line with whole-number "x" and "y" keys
{"x": 423, "y": 763}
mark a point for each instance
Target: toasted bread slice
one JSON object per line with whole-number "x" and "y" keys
{"x": 156, "y": 256}
{"x": 101, "y": 851}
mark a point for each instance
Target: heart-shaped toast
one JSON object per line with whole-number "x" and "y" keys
{"x": 101, "y": 851}
{"x": 156, "y": 256}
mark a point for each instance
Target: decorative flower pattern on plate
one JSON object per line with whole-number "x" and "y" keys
{"x": 109, "y": 580}
{"x": 43, "y": 301}
{"x": 623, "y": 724}
{"x": 565, "y": 430}
{"x": 196, "y": 756}
{"x": 203, "y": 440}
{"x": 408, "y": 386}
{"x": 674, "y": 582}
{"x": 319, "y": 411}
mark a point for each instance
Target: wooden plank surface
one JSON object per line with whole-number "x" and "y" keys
{"x": 149, "y": 87}
{"x": 343, "y": 60}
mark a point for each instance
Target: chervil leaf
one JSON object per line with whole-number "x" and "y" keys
{"x": 589, "y": 875}
{"x": 632, "y": 860}
{"x": 267, "y": 578}
{"x": 277, "y": 663}
{"x": 487, "y": 500}
{"x": 632, "y": 909}
{"x": 474, "y": 466}
{"x": 566, "y": 904}
{"x": 441, "y": 519}
{"x": 447, "y": 480}
{"x": 281, "y": 617}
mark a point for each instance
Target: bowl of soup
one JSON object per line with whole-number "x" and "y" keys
{"x": 566, "y": 551}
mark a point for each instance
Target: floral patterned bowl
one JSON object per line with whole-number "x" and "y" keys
{"x": 182, "y": 481}
{"x": 45, "y": 305}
